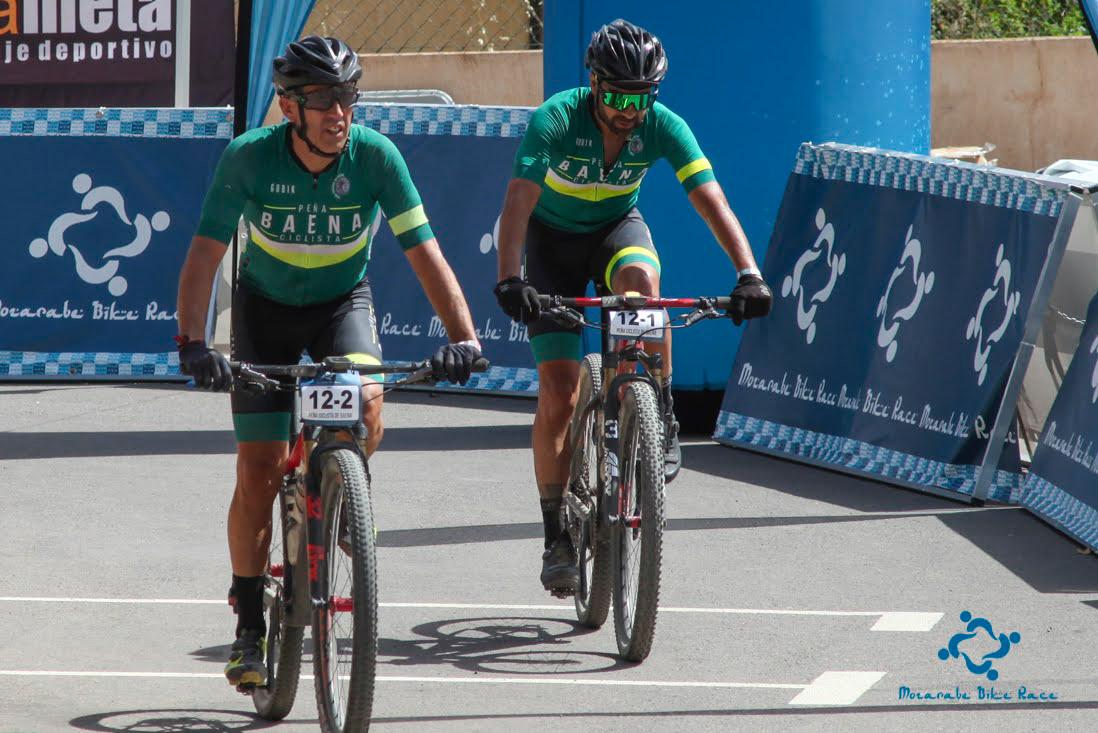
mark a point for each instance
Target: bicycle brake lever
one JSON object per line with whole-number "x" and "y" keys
{"x": 256, "y": 379}
{"x": 701, "y": 314}
{"x": 566, "y": 316}
{"x": 693, "y": 317}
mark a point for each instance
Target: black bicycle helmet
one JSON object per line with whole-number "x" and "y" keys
{"x": 316, "y": 60}
{"x": 623, "y": 52}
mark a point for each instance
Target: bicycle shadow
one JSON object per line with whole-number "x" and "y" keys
{"x": 173, "y": 720}
{"x": 501, "y": 645}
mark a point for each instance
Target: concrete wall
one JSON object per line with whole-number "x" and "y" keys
{"x": 1033, "y": 97}
{"x": 500, "y": 77}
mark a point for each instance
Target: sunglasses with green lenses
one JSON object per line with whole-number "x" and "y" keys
{"x": 323, "y": 99}
{"x": 624, "y": 100}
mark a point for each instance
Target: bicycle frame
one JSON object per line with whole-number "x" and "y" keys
{"x": 310, "y": 572}
{"x": 620, "y": 356}
{"x": 306, "y": 585}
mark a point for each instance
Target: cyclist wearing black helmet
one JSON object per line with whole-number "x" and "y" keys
{"x": 571, "y": 204}
{"x": 311, "y": 191}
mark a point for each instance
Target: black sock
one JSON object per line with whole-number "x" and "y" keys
{"x": 249, "y": 604}
{"x": 668, "y": 402}
{"x": 550, "y": 516}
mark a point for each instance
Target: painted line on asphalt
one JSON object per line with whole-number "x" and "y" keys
{"x": 837, "y": 688}
{"x": 830, "y": 688}
{"x": 911, "y": 621}
{"x": 440, "y": 680}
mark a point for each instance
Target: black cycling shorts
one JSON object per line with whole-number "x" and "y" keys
{"x": 560, "y": 262}
{"x": 268, "y": 332}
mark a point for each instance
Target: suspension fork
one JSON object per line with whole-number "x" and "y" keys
{"x": 328, "y": 440}
{"x": 615, "y": 378}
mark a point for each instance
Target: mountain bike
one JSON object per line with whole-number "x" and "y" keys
{"x": 613, "y": 501}
{"x": 322, "y": 566}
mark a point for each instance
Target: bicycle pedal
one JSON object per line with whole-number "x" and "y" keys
{"x": 562, "y": 592}
{"x": 247, "y": 688}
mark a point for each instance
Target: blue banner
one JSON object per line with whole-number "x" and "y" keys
{"x": 107, "y": 204}
{"x": 460, "y": 158}
{"x": 1061, "y": 487}
{"x": 902, "y": 287}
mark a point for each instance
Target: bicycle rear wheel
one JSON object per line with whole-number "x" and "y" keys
{"x": 637, "y": 538}
{"x": 345, "y": 634}
{"x": 592, "y": 597}
{"x": 284, "y": 642}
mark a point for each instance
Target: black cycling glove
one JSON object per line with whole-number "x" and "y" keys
{"x": 518, "y": 299}
{"x": 454, "y": 362}
{"x": 751, "y": 298}
{"x": 207, "y": 365}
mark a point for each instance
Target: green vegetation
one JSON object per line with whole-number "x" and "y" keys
{"x": 953, "y": 19}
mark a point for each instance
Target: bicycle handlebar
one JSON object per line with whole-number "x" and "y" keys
{"x": 259, "y": 375}
{"x": 634, "y": 301}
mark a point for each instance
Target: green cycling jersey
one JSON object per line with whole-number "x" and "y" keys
{"x": 309, "y": 235}
{"x": 562, "y": 151}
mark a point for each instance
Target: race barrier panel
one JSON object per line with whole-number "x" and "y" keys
{"x": 908, "y": 291}
{"x": 460, "y": 158}
{"x": 1061, "y": 486}
{"x": 102, "y": 207}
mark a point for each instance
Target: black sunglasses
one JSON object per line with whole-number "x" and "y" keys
{"x": 322, "y": 99}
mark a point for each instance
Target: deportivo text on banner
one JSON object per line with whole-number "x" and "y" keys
{"x": 116, "y": 53}
{"x": 902, "y": 286}
{"x": 94, "y": 256}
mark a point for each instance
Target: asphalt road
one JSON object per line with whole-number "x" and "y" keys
{"x": 793, "y": 598}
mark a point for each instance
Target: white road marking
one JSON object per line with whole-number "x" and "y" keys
{"x": 907, "y": 621}
{"x": 837, "y": 688}
{"x": 830, "y": 688}
{"x": 887, "y": 620}
{"x": 37, "y": 599}
{"x": 482, "y": 679}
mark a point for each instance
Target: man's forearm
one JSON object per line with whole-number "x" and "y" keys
{"x": 711, "y": 204}
{"x": 195, "y": 286}
{"x": 443, "y": 291}
{"x": 512, "y": 235}
{"x": 518, "y": 204}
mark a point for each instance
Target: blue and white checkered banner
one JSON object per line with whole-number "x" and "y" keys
{"x": 102, "y": 205}
{"x": 460, "y": 158}
{"x": 903, "y": 285}
{"x": 1062, "y": 485}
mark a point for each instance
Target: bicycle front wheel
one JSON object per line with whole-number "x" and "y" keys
{"x": 638, "y": 534}
{"x": 284, "y": 641}
{"x": 345, "y": 633}
{"x": 585, "y": 482}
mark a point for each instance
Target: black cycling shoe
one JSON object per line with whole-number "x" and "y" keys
{"x": 247, "y": 667}
{"x": 672, "y": 453}
{"x": 559, "y": 574}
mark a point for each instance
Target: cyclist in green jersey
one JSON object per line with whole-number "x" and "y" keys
{"x": 309, "y": 191}
{"x": 571, "y": 209}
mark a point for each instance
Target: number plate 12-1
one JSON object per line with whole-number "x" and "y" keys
{"x": 645, "y": 323}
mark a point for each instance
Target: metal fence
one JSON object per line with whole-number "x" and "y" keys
{"x": 409, "y": 26}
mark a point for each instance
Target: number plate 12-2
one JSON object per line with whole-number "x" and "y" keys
{"x": 330, "y": 403}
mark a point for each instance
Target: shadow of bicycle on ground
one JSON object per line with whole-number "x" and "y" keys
{"x": 172, "y": 720}
{"x": 501, "y": 645}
